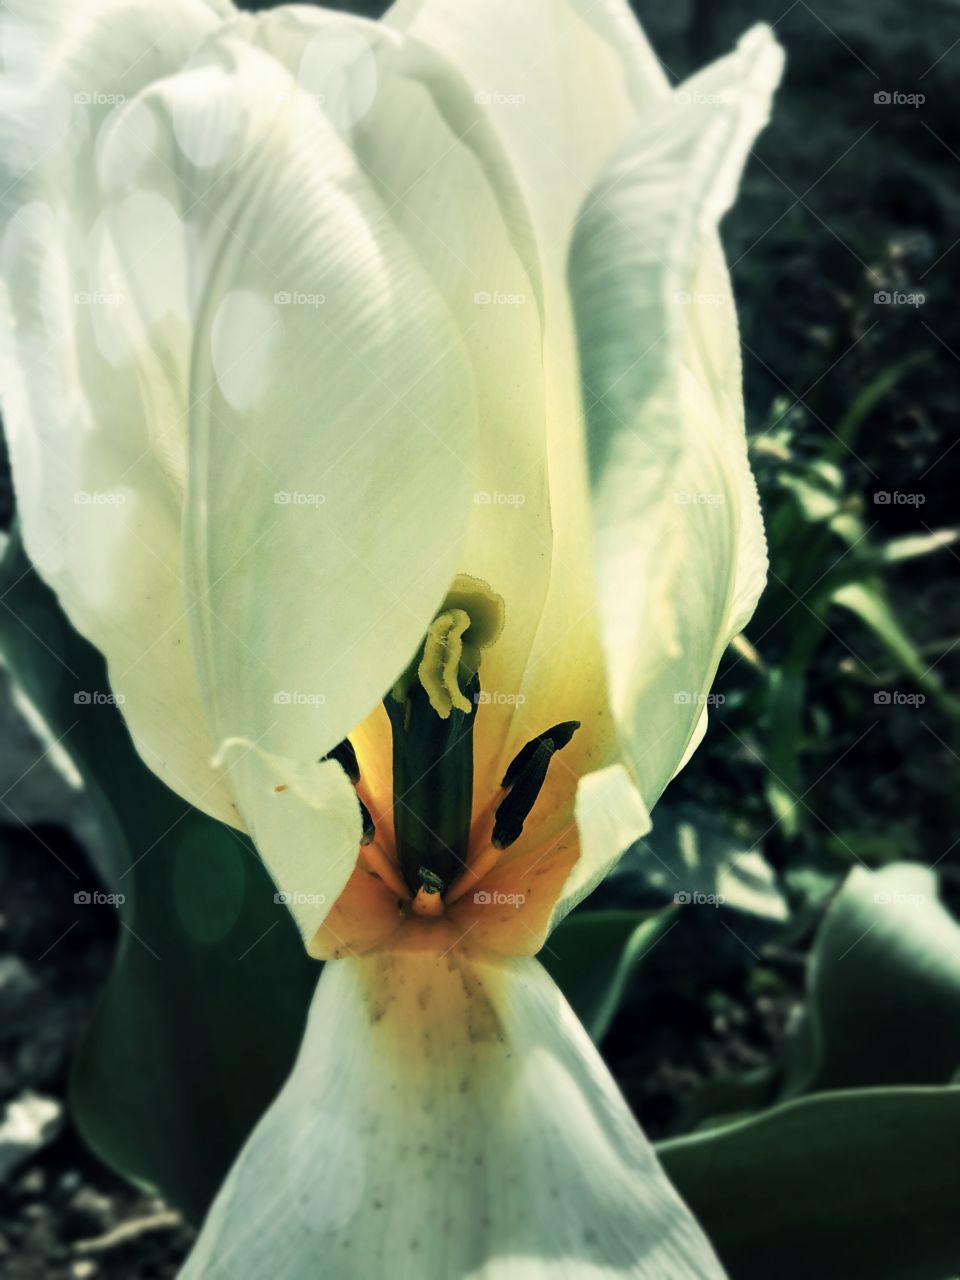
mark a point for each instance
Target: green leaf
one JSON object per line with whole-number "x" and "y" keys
{"x": 848, "y": 428}
{"x": 884, "y": 984}
{"x": 203, "y": 1012}
{"x": 868, "y": 602}
{"x": 690, "y": 851}
{"x": 841, "y": 1185}
{"x": 913, "y": 545}
{"x": 593, "y": 956}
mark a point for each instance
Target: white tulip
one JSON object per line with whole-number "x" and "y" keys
{"x": 398, "y": 366}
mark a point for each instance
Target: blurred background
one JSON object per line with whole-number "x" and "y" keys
{"x": 768, "y": 943}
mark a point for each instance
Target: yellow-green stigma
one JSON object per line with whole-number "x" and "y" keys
{"x": 470, "y": 620}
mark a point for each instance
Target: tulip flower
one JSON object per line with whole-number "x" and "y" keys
{"x": 373, "y": 395}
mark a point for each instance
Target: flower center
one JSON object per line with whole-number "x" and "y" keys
{"x": 432, "y": 710}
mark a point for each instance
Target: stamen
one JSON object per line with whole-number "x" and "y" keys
{"x": 559, "y": 735}
{"x": 369, "y": 830}
{"x": 346, "y": 758}
{"x": 379, "y": 863}
{"x": 524, "y": 779}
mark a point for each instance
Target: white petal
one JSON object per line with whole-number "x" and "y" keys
{"x": 680, "y": 552}
{"x": 447, "y": 1120}
{"x": 562, "y": 81}
{"x": 95, "y": 416}
{"x": 305, "y": 819}
{"x": 333, "y": 416}
{"x": 611, "y": 816}
{"x": 449, "y": 192}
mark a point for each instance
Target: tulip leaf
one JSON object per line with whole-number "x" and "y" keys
{"x": 204, "y": 1009}
{"x": 856, "y": 1183}
{"x": 593, "y": 955}
{"x": 868, "y": 602}
{"x": 883, "y": 985}
{"x": 691, "y": 854}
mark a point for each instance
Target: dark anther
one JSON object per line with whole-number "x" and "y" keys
{"x": 524, "y": 779}
{"x": 369, "y": 830}
{"x": 558, "y": 736}
{"x": 430, "y": 882}
{"x": 346, "y": 757}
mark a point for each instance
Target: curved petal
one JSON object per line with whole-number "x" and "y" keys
{"x": 332, "y": 411}
{"x": 448, "y": 191}
{"x": 332, "y": 420}
{"x": 447, "y": 1119}
{"x": 680, "y": 551}
{"x": 562, "y": 81}
{"x": 443, "y": 171}
{"x": 305, "y": 820}
{"x": 96, "y": 430}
